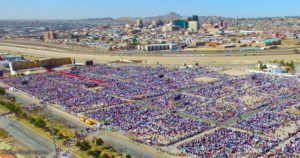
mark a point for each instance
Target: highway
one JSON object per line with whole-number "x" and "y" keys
{"x": 77, "y": 49}
{"x": 27, "y": 136}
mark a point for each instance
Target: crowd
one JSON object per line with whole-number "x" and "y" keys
{"x": 227, "y": 143}
{"x": 72, "y": 97}
{"x": 114, "y": 73}
{"x": 267, "y": 122}
{"x": 151, "y": 85}
{"x": 290, "y": 149}
{"x": 226, "y": 98}
{"x": 270, "y": 120}
{"x": 150, "y": 126}
{"x": 222, "y": 100}
{"x": 143, "y": 82}
{"x": 219, "y": 99}
{"x": 176, "y": 101}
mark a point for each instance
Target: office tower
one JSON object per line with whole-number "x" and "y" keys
{"x": 194, "y": 26}
{"x": 225, "y": 24}
{"x": 139, "y": 23}
{"x": 154, "y": 23}
{"x": 182, "y": 23}
{"x": 195, "y": 18}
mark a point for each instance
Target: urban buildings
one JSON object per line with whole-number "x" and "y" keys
{"x": 157, "y": 47}
{"x": 49, "y": 36}
{"x": 195, "y": 18}
{"x": 182, "y": 23}
{"x": 188, "y": 33}
{"x": 194, "y": 26}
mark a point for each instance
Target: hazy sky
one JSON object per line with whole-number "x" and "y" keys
{"x": 74, "y": 9}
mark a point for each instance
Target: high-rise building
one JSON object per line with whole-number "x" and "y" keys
{"x": 194, "y": 26}
{"x": 182, "y": 23}
{"x": 225, "y": 24}
{"x": 157, "y": 22}
{"x": 160, "y": 22}
{"x": 195, "y": 18}
{"x": 154, "y": 23}
{"x": 139, "y": 23}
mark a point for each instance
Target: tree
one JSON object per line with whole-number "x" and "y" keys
{"x": 24, "y": 115}
{"x": 78, "y": 143}
{"x": 55, "y": 131}
{"x": 128, "y": 156}
{"x": 291, "y": 64}
{"x": 32, "y": 120}
{"x": 94, "y": 153}
{"x": 265, "y": 67}
{"x": 60, "y": 136}
{"x": 40, "y": 123}
{"x": 99, "y": 141}
{"x": 104, "y": 156}
{"x": 2, "y": 91}
{"x": 83, "y": 145}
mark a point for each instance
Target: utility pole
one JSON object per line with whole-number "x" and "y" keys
{"x": 53, "y": 137}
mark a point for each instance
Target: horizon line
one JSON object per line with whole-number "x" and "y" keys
{"x": 115, "y": 18}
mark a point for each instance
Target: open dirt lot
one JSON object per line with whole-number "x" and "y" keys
{"x": 153, "y": 59}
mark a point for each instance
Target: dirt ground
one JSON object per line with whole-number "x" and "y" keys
{"x": 208, "y": 59}
{"x": 205, "y": 79}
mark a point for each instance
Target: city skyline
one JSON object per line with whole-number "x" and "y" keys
{"x": 80, "y": 9}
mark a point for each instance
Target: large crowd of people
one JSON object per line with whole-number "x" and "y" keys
{"x": 290, "y": 149}
{"x": 224, "y": 99}
{"x": 153, "y": 85}
{"x": 225, "y": 142}
{"x": 149, "y": 125}
{"x": 267, "y": 122}
{"x": 72, "y": 97}
{"x": 219, "y": 98}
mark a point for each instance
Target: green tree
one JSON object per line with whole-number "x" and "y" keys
{"x": 83, "y": 145}
{"x": 40, "y": 123}
{"x": 99, "y": 141}
{"x": 128, "y": 156}
{"x": 32, "y": 120}
{"x": 104, "y": 156}
{"x": 94, "y": 153}
{"x": 60, "y": 136}
{"x": 265, "y": 67}
{"x": 2, "y": 91}
{"x": 292, "y": 64}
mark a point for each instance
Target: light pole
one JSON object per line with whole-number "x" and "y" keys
{"x": 53, "y": 137}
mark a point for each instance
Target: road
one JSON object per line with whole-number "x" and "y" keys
{"x": 77, "y": 49}
{"x": 26, "y": 135}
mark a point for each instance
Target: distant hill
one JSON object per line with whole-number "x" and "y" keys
{"x": 98, "y": 21}
{"x": 166, "y": 18}
{"x": 77, "y": 23}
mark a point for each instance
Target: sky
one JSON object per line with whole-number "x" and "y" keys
{"x": 78, "y": 9}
